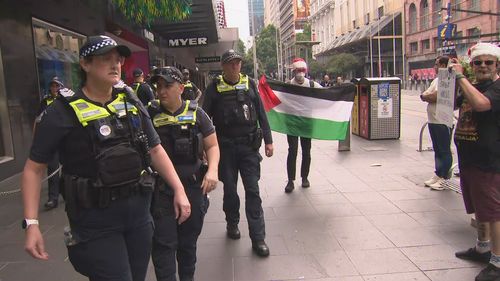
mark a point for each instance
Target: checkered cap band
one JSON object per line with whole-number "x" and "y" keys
{"x": 170, "y": 74}
{"x": 106, "y": 41}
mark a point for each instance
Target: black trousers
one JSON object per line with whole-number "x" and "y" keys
{"x": 54, "y": 181}
{"x": 305, "y": 144}
{"x": 171, "y": 240}
{"x": 246, "y": 160}
{"x": 113, "y": 243}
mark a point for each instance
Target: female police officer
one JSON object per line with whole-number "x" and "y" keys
{"x": 185, "y": 132}
{"x": 101, "y": 134}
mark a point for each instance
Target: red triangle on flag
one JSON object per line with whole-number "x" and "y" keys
{"x": 269, "y": 99}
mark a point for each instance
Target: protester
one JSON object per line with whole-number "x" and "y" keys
{"x": 106, "y": 143}
{"x": 476, "y": 137}
{"x": 440, "y": 133}
{"x": 299, "y": 69}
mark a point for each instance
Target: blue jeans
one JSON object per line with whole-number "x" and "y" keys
{"x": 441, "y": 139}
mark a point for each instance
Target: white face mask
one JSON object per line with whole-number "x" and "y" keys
{"x": 299, "y": 76}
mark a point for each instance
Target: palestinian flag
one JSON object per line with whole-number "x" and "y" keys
{"x": 318, "y": 113}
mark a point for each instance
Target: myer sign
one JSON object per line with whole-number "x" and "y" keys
{"x": 188, "y": 42}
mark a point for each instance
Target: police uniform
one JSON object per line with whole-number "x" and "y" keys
{"x": 52, "y": 165}
{"x": 237, "y": 113}
{"x": 190, "y": 91}
{"x": 181, "y": 135}
{"x": 103, "y": 150}
{"x": 143, "y": 92}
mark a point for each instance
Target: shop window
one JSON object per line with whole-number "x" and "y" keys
{"x": 56, "y": 51}
{"x": 6, "y": 147}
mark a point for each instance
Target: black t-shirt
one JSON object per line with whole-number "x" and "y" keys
{"x": 477, "y": 135}
{"x": 212, "y": 97}
{"x": 144, "y": 92}
{"x": 59, "y": 119}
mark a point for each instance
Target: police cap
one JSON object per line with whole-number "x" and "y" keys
{"x": 169, "y": 73}
{"x": 98, "y": 45}
{"x": 230, "y": 55}
{"x": 137, "y": 72}
{"x": 55, "y": 80}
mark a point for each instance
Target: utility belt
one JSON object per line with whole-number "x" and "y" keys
{"x": 253, "y": 140}
{"x": 84, "y": 193}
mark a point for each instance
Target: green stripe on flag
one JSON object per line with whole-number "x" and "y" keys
{"x": 307, "y": 127}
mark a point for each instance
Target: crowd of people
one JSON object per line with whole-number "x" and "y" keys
{"x": 138, "y": 162}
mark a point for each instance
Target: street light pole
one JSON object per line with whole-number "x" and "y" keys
{"x": 255, "y": 66}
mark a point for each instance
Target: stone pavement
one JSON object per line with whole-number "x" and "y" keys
{"x": 367, "y": 216}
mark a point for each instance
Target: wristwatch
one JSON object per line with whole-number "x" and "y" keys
{"x": 27, "y": 222}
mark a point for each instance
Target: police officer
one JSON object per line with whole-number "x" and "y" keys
{"x": 54, "y": 86}
{"x": 191, "y": 92}
{"x": 106, "y": 142}
{"x": 233, "y": 101}
{"x": 185, "y": 132}
{"x": 141, "y": 88}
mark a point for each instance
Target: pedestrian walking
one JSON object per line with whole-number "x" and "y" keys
{"x": 142, "y": 89}
{"x": 232, "y": 100}
{"x": 106, "y": 143}
{"x": 476, "y": 137}
{"x": 299, "y": 69}
{"x": 53, "y": 165}
{"x": 191, "y": 91}
{"x": 186, "y": 133}
{"x": 440, "y": 133}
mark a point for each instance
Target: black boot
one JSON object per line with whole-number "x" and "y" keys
{"x": 233, "y": 232}
{"x": 289, "y": 186}
{"x": 260, "y": 248}
{"x": 51, "y": 204}
{"x": 305, "y": 183}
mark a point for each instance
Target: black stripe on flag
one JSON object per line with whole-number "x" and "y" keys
{"x": 344, "y": 92}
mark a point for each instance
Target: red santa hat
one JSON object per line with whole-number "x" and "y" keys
{"x": 299, "y": 63}
{"x": 484, "y": 49}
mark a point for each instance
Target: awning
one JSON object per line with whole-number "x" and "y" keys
{"x": 200, "y": 24}
{"x": 363, "y": 32}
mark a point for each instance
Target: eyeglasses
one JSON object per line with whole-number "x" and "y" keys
{"x": 480, "y": 62}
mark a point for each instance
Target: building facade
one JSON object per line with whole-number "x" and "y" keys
{"x": 423, "y": 17}
{"x": 271, "y": 13}
{"x": 41, "y": 40}
{"x": 369, "y": 29}
{"x": 257, "y": 8}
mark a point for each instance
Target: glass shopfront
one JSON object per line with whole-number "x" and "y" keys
{"x": 56, "y": 51}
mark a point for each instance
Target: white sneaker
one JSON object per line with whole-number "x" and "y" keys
{"x": 438, "y": 185}
{"x": 432, "y": 180}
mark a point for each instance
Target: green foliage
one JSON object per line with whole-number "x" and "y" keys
{"x": 316, "y": 69}
{"x": 147, "y": 11}
{"x": 266, "y": 53}
{"x": 342, "y": 63}
{"x": 468, "y": 70}
{"x": 240, "y": 47}
{"x": 306, "y": 34}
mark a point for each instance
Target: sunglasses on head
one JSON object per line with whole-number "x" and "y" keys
{"x": 480, "y": 62}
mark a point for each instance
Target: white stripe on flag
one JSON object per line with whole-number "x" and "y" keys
{"x": 302, "y": 106}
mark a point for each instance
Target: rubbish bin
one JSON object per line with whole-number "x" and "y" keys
{"x": 380, "y": 108}
{"x": 355, "y": 108}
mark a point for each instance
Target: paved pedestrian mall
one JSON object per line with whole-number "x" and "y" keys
{"x": 366, "y": 216}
